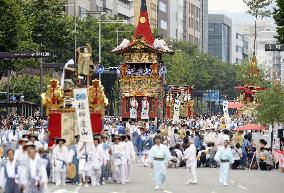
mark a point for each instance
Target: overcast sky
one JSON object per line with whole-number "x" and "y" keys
{"x": 227, "y": 5}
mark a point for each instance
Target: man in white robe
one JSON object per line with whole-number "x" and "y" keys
{"x": 60, "y": 161}
{"x": 191, "y": 163}
{"x": 224, "y": 156}
{"x": 97, "y": 154}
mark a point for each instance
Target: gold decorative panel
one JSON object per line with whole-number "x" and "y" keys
{"x": 140, "y": 57}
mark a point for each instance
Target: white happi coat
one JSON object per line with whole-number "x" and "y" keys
{"x": 97, "y": 157}
{"x": 133, "y": 109}
{"x": 130, "y": 152}
{"x": 145, "y": 110}
{"x": 190, "y": 156}
{"x": 119, "y": 154}
{"x": 60, "y": 157}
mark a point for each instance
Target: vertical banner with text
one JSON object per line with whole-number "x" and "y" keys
{"x": 81, "y": 105}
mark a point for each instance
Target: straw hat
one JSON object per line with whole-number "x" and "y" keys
{"x": 71, "y": 171}
{"x": 116, "y": 137}
{"x": 29, "y": 144}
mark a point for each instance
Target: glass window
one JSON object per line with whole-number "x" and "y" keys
{"x": 163, "y": 24}
{"x": 162, "y": 7}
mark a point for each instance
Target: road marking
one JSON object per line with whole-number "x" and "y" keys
{"x": 60, "y": 191}
{"x": 242, "y": 187}
{"x": 213, "y": 191}
{"x": 166, "y": 191}
{"x": 232, "y": 181}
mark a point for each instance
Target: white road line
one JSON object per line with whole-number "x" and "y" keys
{"x": 213, "y": 191}
{"x": 242, "y": 187}
{"x": 232, "y": 181}
{"x": 166, "y": 191}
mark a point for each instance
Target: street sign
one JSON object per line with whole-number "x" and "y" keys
{"x": 100, "y": 69}
{"x": 25, "y": 54}
{"x": 274, "y": 47}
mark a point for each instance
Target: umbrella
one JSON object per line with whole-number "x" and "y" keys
{"x": 250, "y": 127}
{"x": 235, "y": 105}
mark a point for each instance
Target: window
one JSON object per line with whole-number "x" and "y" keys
{"x": 162, "y": 7}
{"x": 163, "y": 24}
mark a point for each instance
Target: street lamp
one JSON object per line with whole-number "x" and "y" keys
{"x": 75, "y": 27}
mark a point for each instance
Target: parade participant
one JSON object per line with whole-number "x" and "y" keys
{"x": 20, "y": 153}
{"x": 143, "y": 144}
{"x": 9, "y": 180}
{"x": 224, "y": 156}
{"x": 118, "y": 152}
{"x": 97, "y": 154}
{"x": 73, "y": 151}
{"x": 106, "y": 171}
{"x": 60, "y": 161}
{"x": 34, "y": 139}
{"x": 33, "y": 173}
{"x": 175, "y": 138}
{"x": 85, "y": 162}
{"x": 159, "y": 156}
{"x": 130, "y": 156}
{"x": 191, "y": 163}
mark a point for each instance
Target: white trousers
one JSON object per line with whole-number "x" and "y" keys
{"x": 224, "y": 172}
{"x": 191, "y": 174}
{"x": 119, "y": 171}
{"x": 60, "y": 177}
{"x": 128, "y": 171}
{"x": 95, "y": 177}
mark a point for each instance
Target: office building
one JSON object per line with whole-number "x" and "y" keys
{"x": 271, "y": 62}
{"x": 220, "y": 37}
{"x": 171, "y": 18}
{"x": 121, "y": 8}
{"x": 242, "y": 45}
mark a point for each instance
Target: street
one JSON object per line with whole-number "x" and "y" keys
{"x": 241, "y": 181}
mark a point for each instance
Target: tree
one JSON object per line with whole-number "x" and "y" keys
{"x": 258, "y": 9}
{"x": 15, "y": 34}
{"x": 278, "y": 15}
{"x": 270, "y": 108}
{"x": 28, "y": 85}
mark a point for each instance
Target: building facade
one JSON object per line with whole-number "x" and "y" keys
{"x": 242, "y": 45}
{"x": 121, "y": 8}
{"x": 220, "y": 37}
{"x": 271, "y": 62}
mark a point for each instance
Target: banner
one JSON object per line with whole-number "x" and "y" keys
{"x": 69, "y": 127}
{"x": 225, "y": 108}
{"x": 81, "y": 105}
{"x": 176, "y": 110}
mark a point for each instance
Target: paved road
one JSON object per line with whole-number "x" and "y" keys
{"x": 240, "y": 182}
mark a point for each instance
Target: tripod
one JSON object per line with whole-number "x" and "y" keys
{"x": 254, "y": 157}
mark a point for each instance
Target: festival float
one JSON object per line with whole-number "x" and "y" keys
{"x": 76, "y": 106}
{"x": 179, "y": 103}
{"x": 142, "y": 73}
{"x": 247, "y": 99}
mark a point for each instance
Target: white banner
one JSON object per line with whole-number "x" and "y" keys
{"x": 145, "y": 109}
{"x": 176, "y": 110}
{"x": 81, "y": 105}
{"x": 133, "y": 108}
{"x": 226, "y": 108}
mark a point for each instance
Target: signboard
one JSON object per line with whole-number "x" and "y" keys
{"x": 100, "y": 69}
{"x": 212, "y": 95}
{"x": 274, "y": 47}
{"x": 81, "y": 105}
{"x": 25, "y": 54}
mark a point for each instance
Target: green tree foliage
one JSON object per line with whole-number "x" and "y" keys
{"x": 258, "y": 8}
{"x": 278, "y": 15}
{"x": 188, "y": 67}
{"x": 28, "y": 85}
{"x": 15, "y": 34}
{"x": 270, "y": 109}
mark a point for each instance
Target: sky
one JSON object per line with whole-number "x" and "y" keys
{"x": 232, "y": 6}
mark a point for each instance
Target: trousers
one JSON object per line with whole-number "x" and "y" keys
{"x": 60, "y": 177}
{"x": 191, "y": 174}
{"x": 119, "y": 171}
{"x": 159, "y": 172}
{"x": 224, "y": 172}
{"x": 95, "y": 177}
